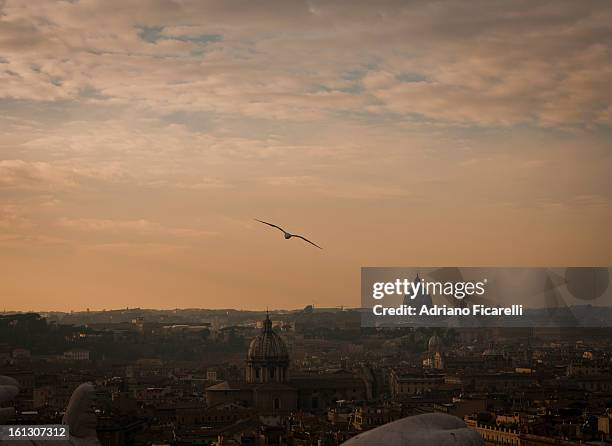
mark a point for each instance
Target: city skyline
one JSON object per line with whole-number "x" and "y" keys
{"x": 138, "y": 142}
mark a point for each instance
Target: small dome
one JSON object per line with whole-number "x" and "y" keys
{"x": 268, "y": 345}
{"x": 434, "y": 344}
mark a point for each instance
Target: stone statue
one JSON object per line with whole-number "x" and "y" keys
{"x": 9, "y": 388}
{"x": 79, "y": 416}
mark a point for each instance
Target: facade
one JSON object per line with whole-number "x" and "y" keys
{"x": 408, "y": 384}
{"x": 495, "y": 435}
{"x": 77, "y": 354}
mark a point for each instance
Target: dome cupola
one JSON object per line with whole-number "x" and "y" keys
{"x": 435, "y": 344}
{"x": 268, "y": 357}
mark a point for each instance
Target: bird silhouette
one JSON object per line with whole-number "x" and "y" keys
{"x": 288, "y": 235}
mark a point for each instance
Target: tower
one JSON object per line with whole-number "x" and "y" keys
{"x": 422, "y": 298}
{"x": 435, "y": 353}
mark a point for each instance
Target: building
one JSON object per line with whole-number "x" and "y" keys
{"x": 265, "y": 387}
{"x": 269, "y": 388}
{"x": 268, "y": 357}
{"x": 434, "y": 359}
{"x": 77, "y": 354}
{"x": 495, "y": 435}
{"x": 411, "y": 383}
{"x": 420, "y": 299}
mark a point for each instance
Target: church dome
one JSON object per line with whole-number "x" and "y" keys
{"x": 435, "y": 344}
{"x": 268, "y": 346}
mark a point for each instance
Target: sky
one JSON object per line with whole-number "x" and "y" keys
{"x": 139, "y": 140}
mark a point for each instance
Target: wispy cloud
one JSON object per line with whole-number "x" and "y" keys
{"x": 515, "y": 63}
{"x": 20, "y": 174}
{"x": 161, "y": 129}
{"x": 141, "y": 227}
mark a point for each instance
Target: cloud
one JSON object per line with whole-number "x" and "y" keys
{"x": 20, "y": 174}
{"x": 146, "y": 250}
{"x": 139, "y": 128}
{"x": 298, "y": 180}
{"x": 13, "y": 217}
{"x": 20, "y": 241}
{"x": 153, "y": 34}
{"x": 547, "y": 64}
{"x": 139, "y": 227}
{"x": 201, "y": 184}
{"x": 337, "y": 189}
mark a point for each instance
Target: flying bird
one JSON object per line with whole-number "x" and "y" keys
{"x": 288, "y": 235}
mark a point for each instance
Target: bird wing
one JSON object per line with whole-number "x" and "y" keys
{"x": 270, "y": 224}
{"x": 306, "y": 240}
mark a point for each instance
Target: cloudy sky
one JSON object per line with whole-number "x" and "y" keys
{"x": 138, "y": 140}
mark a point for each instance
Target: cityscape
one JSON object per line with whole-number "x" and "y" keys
{"x": 304, "y": 377}
{"x": 305, "y": 223}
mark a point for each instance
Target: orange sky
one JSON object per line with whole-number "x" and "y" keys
{"x": 138, "y": 142}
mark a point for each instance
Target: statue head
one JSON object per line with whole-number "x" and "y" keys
{"x": 9, "y": 388}
{"x": 80, "y": 414}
